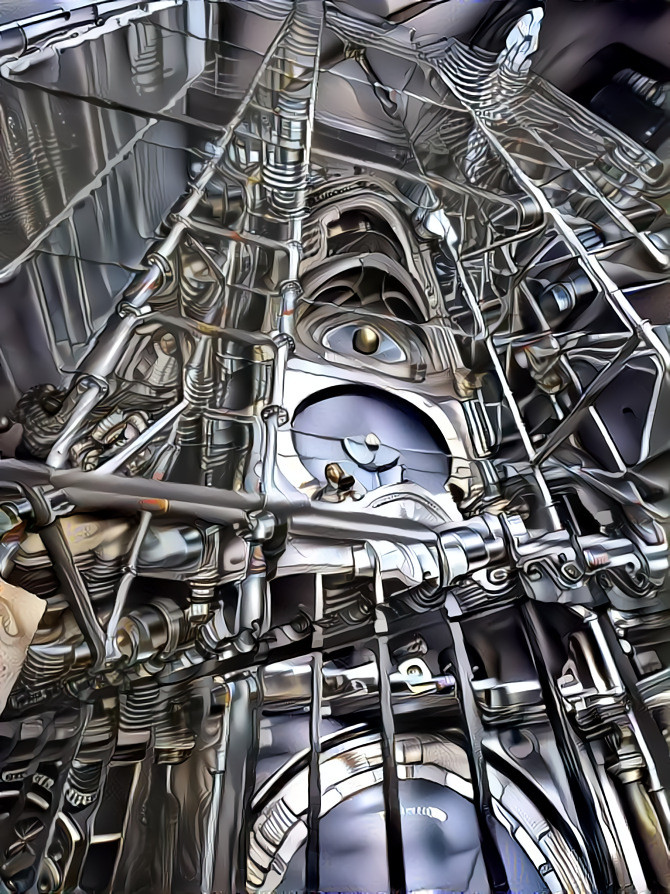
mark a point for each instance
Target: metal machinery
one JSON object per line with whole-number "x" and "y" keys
{"x": 334, "y": 499}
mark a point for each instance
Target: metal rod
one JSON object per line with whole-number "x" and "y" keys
{"x": 395, "y": 854}
{"x": 574, "y": 760}
{"x": 495, "y": 867}
{"x": 312, "y": 885}
{"x": 74, "y": 588}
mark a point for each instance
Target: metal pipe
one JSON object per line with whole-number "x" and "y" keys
{"x": 58, "y": 455}
{"x": 74, "y": 588}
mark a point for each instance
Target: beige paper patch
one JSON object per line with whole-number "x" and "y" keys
{"x": 20, "y": 613}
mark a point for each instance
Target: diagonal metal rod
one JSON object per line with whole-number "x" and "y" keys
{"x": 74, "y": 588}
{"x": 585, "y": 402}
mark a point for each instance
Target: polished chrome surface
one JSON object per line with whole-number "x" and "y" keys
{"x": 334, "y": 497}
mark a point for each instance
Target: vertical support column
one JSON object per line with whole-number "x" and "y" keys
{"x": 575, "y": 767}
{"x": 314, "y": 805}
{"x": 212, "y": 821}
{"x": 229, "y": 873}
{"x": 395, "y": 853}
{"x": 495, "y": 868}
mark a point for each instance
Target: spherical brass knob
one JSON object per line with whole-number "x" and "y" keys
{"x": 366, "y": 340}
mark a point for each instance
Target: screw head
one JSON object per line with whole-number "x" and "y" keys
{"x": 571, "y": 571}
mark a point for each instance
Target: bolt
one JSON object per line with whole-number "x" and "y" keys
{"x": 571, "y": 571}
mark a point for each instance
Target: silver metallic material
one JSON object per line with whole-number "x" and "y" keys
{"x": 334, "y": 494}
